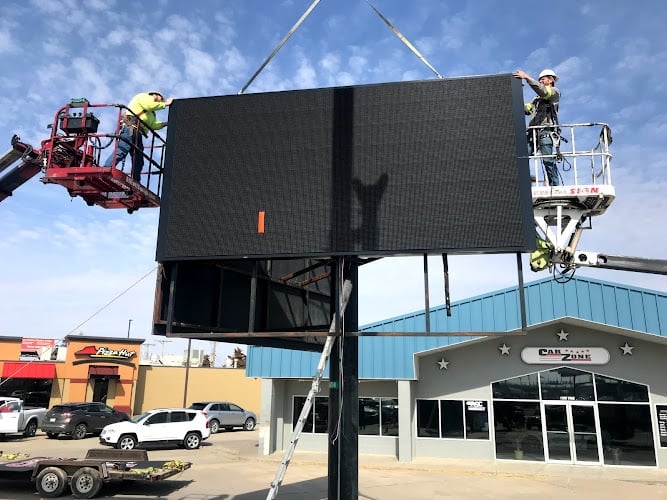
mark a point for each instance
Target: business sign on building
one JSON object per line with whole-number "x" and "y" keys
{"x": 476, "y": 405}
{"x": 662, "y": 424}
{"x": 565, "y": 355}
{"x": 92, "y": 353}
{"x": 32, "y": 348}
{"x": 36, "y": 345}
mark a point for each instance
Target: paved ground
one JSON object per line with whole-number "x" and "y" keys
{"x": 227, "y": 467}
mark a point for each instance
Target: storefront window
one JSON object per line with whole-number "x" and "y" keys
{"x": 321, "y": 415}
{"x": 627, "y": 436}
{"x": 567, "y": 384}
{"x": 389, "y": 416}
{"x": 477, "y": 420}
{"x": 613, "y": 389}
{"x": 369, "y": 416}
{"x": 524, "y": 387}
{"x": 377, "y": 416}
{"x": 33, "y": 392}
{"x": 458, "y": 419}
{"x": 625, "y": 428}
{"x": 518, "y": 430}
{"x": 299, "y": 403}
{"x": 427, "y": 418}
{"x": 451, "y": 419}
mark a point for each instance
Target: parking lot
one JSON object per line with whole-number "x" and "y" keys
{"x": 227, "y": 467}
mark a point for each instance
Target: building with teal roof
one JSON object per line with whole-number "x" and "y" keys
{"x": 583, "y": 384}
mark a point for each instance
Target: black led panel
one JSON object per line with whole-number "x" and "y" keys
{"x": 390, "y": 169}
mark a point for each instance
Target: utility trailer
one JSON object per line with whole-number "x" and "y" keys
{"x": 86, "y": 476}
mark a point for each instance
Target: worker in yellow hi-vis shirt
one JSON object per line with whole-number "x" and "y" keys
{"x": 138, "y": 120}
{"x": 543, "y": 111}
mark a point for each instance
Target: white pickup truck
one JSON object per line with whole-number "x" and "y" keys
{"x": 18, "y": 419}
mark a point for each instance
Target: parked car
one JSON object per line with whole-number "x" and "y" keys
{"x": 80, "y": 419}
{"x": 225, "y": 415}
{"x": 15, "y": 418}
{"x": 181, "y": 426}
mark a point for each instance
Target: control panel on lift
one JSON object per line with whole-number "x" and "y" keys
{"x": 79, "y": 123}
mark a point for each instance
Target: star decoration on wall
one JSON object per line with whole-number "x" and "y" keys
{"x": 627, "y": 349}
{"x": 504, "y": 350}
{"x": 442, "y": 364}
{"x": 562, "y": 335}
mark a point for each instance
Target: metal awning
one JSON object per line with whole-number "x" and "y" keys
{"x": 32, "y": 369}
{"x": 103, "y": 371}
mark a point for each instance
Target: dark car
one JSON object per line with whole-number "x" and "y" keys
{"x": 80, "y": 419}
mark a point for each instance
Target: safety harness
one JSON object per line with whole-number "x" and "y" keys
{"x": 547, "y": 111}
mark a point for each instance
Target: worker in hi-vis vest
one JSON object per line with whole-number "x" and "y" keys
{"x": 135, "y": 125}
{"x": 543, "y": 111}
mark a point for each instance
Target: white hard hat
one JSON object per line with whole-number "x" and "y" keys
{"x": 548, "y": 72}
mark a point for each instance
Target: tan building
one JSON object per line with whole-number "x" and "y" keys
{"x": 108, "y": 369}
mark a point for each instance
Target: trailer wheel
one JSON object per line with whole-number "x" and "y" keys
{"x": 192, "y": 441}
{"x": 51, "y": 482}
{"x": 214, "y": 425}
{"x": 126, "y": 442}
{"x": 30, "y": 429}
{"x": 86, "y": 483}
{"x": 80, "y": 431}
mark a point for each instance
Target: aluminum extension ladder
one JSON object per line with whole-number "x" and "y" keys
{"x": 314, "y": 389}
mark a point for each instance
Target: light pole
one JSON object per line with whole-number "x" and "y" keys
{"x": 163, "y": 342}
{"x": 129, "y": 324}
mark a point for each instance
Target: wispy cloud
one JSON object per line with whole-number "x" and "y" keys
{"x": 68, "y": 259}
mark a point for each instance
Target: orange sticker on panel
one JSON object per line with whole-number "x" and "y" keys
{"x": 260, "y": 221}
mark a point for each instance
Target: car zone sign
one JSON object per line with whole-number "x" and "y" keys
{"x": 565, "y": 355}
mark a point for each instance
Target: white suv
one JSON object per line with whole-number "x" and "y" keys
{"x": 163, "y": 425}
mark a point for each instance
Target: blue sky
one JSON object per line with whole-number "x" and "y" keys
{"x": 63, "y": 261}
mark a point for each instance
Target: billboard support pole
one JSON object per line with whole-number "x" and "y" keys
{"x": 343, "y": 462}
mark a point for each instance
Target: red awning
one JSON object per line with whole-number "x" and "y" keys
{"x": 29, "y": 370}
{"x": 106, "y": 371}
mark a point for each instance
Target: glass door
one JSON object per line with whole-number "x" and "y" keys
{"x": 585, "y": 433}
{"x": 100, "y": 389}
{"x": 557, "y": 427}
{"x": 572, "y": 434}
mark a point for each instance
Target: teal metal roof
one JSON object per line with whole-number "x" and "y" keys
{"x": 611, "y": 304}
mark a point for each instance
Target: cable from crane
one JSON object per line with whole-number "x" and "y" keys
{"x": 279, "y": 46}
{"x": 405, "y": 40}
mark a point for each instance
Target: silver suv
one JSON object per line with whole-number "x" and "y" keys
{"x": 222, "y": 414}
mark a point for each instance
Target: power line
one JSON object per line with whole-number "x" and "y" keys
{"x": 111, "y": 301}
{"x": 22, "y": 367}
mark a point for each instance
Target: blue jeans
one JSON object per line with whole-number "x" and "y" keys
{"x": 546, "y": 147}
{"x": 134, "y": 138}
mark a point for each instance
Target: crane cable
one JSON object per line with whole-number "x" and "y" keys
{"x": 279, "y": 46}
{"x": 405, "y": 40}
